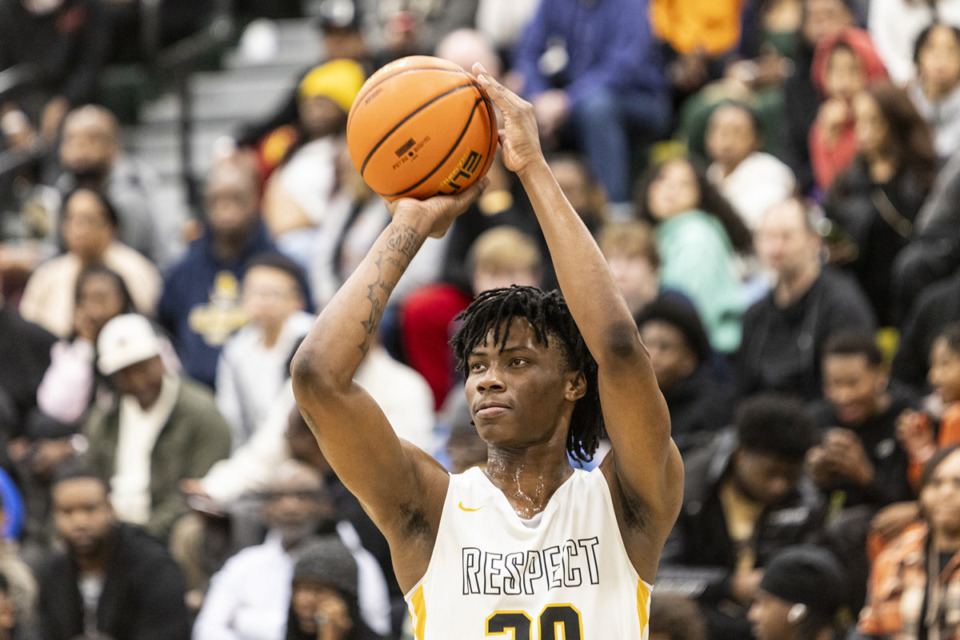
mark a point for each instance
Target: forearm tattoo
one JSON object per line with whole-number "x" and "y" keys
{"x": 401, "y": 245}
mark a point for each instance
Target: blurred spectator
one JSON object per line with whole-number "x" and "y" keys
{"x": 341, "y": 36}
{"x": 465, "y": 449}
{"x": 918, "y": 432}
{"x": 113, "y": 580}
{"x": 745, "y": 498}
{"x": 68, "y": 389}
{"x": 12, "y": 613}
{"x": 844, "y": 64}
{"x": 502, "y": 22}
{"x": 25, "y": 353}
{"x": 784, "y": 333}
{"x": 499, "y": 257}
{"x": 769, "y": 34}
{"x": 895, "y": 26}
{"x": 90, "y": 229}
{"x": 60, "y": 46}
{"x": 936, "y": 307}
{"x": 303, "y": 446}
{"x": 630, "y": 249}
{"x": 581, "y": 188}
{"x": 699, "y": 39}
{"x": 859, "y": 460}
{"x": 933, "y": 252}
{"x": 159, "y": 430}
{"x": 799, "y": 597}
{"x": 323, "y": 597}
{"x": 253, "y": 365}
{"x": 877, "y": 198}
{"x": 402, "y": 393}
{"x": 91, "y": 156}
{"x": 698, "y": 237}
{"x": 200, "y": 304}
{"x": 750, "y": 179}
{"x": 410, "y": 28}
{"x": 18, "y": 590}
{"x": 935, "y": 89}
{"x": 675, "y": 617}
{"x": 68, "y": 386}
{"x": 821, "y": 19}
{"x": 594, "y": 72}
{"x": 297, "y": 198}
{"x": 250, "y": 595}
{"x": 905, "y": 599}
{"x": 338, "y": 253}
{"x": 699, "y": 402}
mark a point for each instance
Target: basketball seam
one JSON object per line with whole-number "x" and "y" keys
{"x": 453, "y": 147}
{"x": 363, "y": 167}
{"x": 491, "y": 114}
{"x": 366, "y": 90}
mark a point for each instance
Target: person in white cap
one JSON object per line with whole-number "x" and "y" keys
{"x": 159, "y": 430}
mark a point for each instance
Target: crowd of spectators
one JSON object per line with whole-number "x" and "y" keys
{"x": 775, "y": 185}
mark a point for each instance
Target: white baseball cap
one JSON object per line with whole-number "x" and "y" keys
{"x": 125, "y": 340}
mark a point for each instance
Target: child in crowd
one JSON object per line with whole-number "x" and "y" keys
{"x": 253, "y": 364}
{"x": 916, "y": 429}
{"x": 752, "y": 180}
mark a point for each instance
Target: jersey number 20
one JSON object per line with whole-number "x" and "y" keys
{"x": 556, "y": 622}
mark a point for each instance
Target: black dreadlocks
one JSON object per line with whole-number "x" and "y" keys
{"x": 548, "y": 315}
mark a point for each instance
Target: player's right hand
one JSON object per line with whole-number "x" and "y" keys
{"x": 438, "y": 212}
{"x": 519, "y": 136}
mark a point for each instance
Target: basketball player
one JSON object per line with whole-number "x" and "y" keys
{"x": 529, "y": 546}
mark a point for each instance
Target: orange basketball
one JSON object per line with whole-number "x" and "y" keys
{"x": 421, "y": 126}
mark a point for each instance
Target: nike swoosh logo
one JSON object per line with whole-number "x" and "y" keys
{"x": 468, "y": 508}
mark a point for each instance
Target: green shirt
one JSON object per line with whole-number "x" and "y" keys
{"x": 697, "y": 258}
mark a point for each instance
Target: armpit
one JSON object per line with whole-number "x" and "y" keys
{"x": 413, "y": 521}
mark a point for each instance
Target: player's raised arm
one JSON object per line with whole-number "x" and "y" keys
{"x": 393, "y": 480}
{"x": 645, "y": 468}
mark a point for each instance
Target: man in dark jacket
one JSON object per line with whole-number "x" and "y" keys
{"x": 113, "y": 579}
{"x": 744, "y": 499}
{"x": 860, "y": 461}
{"x": 784, "y": 333}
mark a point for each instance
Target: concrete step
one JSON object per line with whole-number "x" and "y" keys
{"x": 232, "y": 103}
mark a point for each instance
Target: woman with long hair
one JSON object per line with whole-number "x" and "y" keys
{"x": 876, "y": 200}
{"x": 699, "y": 237}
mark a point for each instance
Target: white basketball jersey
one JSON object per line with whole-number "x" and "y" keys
{"x": 565, "y": 576}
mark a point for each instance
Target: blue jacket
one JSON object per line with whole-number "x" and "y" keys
{"x": 200, "y": 302}
{"x": 609, "y": 44}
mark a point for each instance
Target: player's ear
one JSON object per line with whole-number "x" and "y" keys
{"x": 576, "y": 386}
